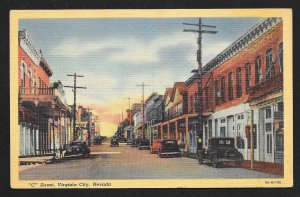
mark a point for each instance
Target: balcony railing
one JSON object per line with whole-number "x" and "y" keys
{"x": 35, "y": 91}
{"x": 267, "y": 86}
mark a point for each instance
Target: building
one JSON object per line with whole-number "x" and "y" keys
{"x": 242, "y": 88}
{"x": 41, "y": 106}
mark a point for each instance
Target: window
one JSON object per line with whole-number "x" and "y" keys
{"x": 222, "y": 120}
{"x": 217, "y": 93}
{"x": 254, "y": 137}
{"x": 248, "y": 78}
{"x": 279, "y": 141}
{"x": 230, "y": 86}
{"x": 258, "y": 70}
{"x": 206, "y": 98}
{"x": 240, "y": 143}
{"x": 268, "y": 113}
{"x": 222, "y": 132}
{"x": 269, "y": 66}
{"x": 23, "y": 75}
{"x": 268, "y": 127}
{"x": 192, "y": 104}
{"x": 238, "y": 83}
{"x": 281, "y": 57}
{"x": 216, "y": 127}
{"x": 269, "y": 143}
{"x": 223, "y": 89}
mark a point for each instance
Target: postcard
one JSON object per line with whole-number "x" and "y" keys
{"x": 151, "y": 98}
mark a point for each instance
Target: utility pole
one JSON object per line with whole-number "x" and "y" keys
{"x": 143, "y": 90}
{"x": 200, "y": 31}
{"x": 74, "y": 105}
{"x": 129, "y": 110}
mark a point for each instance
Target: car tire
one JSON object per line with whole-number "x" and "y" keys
{"x": 214, "y": 160}
{"x": 159, "y": 153}
{"x": 200, "y": 159}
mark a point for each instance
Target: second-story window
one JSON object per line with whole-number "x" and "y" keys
{"x": 230, "y": 86}
{"x": 280, "y": 57}
{"x": 248, "y": 77}
{"x": 206, "y": 98}
{"x": 238, "y": 83}
{"x": 269, "y": 66}
{"x": 223, "y": 89}
{"x": 217, "y": 92}
{"x": 258, "y": 70}
{"x": 23, "y": 75}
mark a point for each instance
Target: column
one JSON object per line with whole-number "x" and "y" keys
{"x": 168, "y": 130}
{"x": 161, "y": 131}
{"x": 186, "y": 134}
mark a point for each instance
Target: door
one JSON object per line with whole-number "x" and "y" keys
{"x": 269, "y": 142}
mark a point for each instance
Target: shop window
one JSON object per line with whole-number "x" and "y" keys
{"x": 222, "y": 131}
{"x": 240, "y": 143}
{"x": 248, "y": 78}
{"x": 269, "y": 66}
{"x": 280, "y": 57}
{"x": 258, "y": 70}
{"x": 238, "y": 83}
{"x": 223, "y": 89}
{"x": 217, "y": 93}
{"x": 230, "y": 86}
{"x": 279, "y": 141}
{"x": 268, "y": 113}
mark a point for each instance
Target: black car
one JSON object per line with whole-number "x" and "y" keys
{"x": 97, "y": 141}
{"x": 129, "y": 141}
{"x": 135, "y": 143}
{"x": 167, "y": 148}
{"x": 114, "y": 142}
{"x": 122, "y": 140}
{"x": 144, "y": 144}
{"x": 219, "y": 151}
{"x": 77, "y": 147}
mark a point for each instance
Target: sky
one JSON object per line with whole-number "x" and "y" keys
{"x": 117, "y": 54}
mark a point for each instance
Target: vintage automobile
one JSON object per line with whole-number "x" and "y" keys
{"x": 135, "y": 143}
{"x": 76, "y": 148}
{"x": 97, "y": 141}
{"x": 122, "y": 140}
{"x": 144, "y": 144}
{"x": 220, "y": 150}
{"x": 129, "y": 141}
{"x": 166, "y": 147}
{"x": 114, "y": 142}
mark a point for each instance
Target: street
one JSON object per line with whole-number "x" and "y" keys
{"x": 126, "y": 162}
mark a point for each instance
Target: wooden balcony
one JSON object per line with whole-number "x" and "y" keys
{"x": 36, "y": 94}
{"x": 266, "y": 87}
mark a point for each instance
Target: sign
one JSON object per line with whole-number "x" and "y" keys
{"x": 81, "y": 124}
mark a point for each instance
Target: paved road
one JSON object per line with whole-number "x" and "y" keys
{"x": 125, "y": 162}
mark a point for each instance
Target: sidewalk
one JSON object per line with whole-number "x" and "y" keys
{"x": 31, "y": 162}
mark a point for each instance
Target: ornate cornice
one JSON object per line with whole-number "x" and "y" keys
{"x": 242, "y": 42}
{"x": 29, "y": 47}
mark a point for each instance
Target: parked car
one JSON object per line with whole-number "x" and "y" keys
{"x": 122, "y": 140}
{"x": 167, "y": 147}
{"x": 114, "y": 142}
{"x": 97, "y": 141}
{"x": 144, "y": 144}
{"x": 154, "y": 147}
{"x": 219, "y": 151}
{"x": 77, "y": 147}
{"x": 129, "y": 141}
{"x": 135, "y": 143}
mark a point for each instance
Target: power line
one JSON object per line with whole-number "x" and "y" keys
{"x": 74, "y": 105}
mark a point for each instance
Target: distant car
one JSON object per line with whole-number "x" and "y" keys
{"x": 167, "y": 147}
{"x": 114, "y": 142}
{"x": 122, "y": 140}
{"x": 219, "y": 151}
{"x": 144, "y": 144}
{"x": 129, "y": 141}
{"x": 135, "y": 143}
{"x": 154, "y": 147}
{"x": 97, "y": 141}
{"x": 77, "y": 147}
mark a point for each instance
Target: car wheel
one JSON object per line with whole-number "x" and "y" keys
{"x": 200, "y": 158}
{"x": 214, "y": 160}
{"x": 159, "y": 153}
